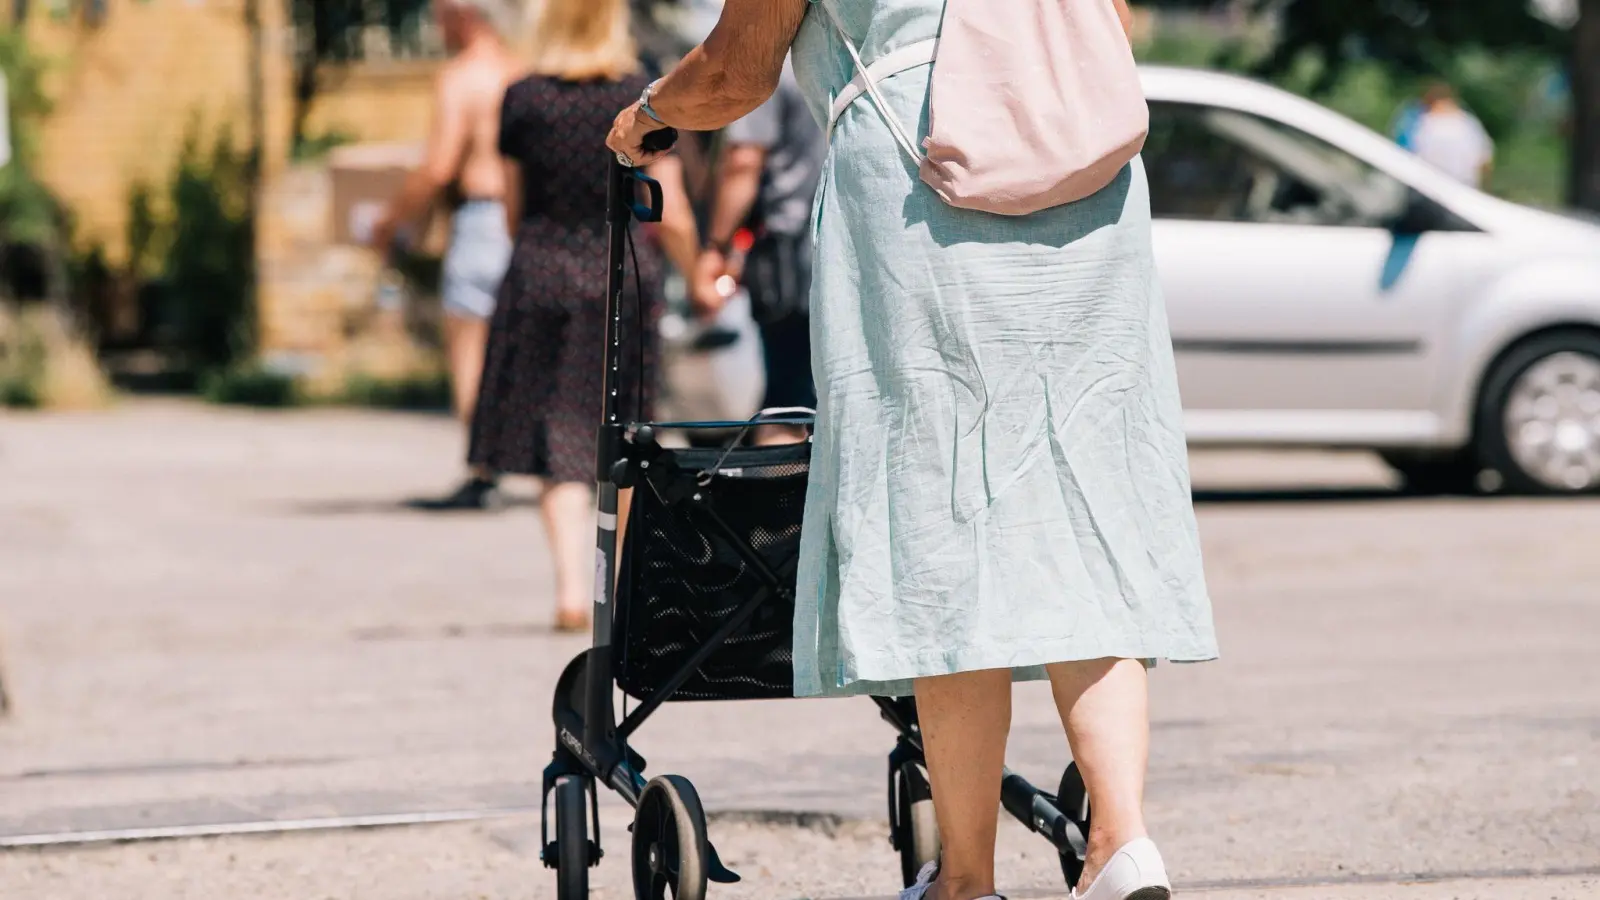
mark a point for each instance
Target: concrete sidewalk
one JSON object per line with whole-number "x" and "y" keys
{"x": 212, "y": 615}
{"x": 496, "y": 860}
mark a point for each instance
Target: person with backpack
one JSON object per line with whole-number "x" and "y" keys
{"x": 999, "y": 485}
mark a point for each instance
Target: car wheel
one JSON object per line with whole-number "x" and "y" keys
{"x": 1539, "y": 415}
{"x": 1433, "y": 475}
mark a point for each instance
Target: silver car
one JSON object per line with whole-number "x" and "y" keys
{"x": 1327, "y": 288}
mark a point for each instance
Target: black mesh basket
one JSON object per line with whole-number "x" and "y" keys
{"x": 697, "y": 518}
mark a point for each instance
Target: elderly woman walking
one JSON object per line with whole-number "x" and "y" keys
{"x": 1000, "y": 485}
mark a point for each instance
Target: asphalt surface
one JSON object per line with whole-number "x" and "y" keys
{"x": 223, "y": 617}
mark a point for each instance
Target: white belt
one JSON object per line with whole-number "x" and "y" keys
{"x": 893, "y": 63}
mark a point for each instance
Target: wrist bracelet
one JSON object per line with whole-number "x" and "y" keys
{"x": 644, "y": 102}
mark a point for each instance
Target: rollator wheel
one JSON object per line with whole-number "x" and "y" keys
{"x": 1073, "y": 800}
{"x": 916, "y": 831}
{"x": 669, "y": 841}
{"x": 572, "y": 839}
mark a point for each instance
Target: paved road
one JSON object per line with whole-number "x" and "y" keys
{"x": 217, "y": 615}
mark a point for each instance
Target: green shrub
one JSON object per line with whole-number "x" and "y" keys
{"x": 45, "y": 362}
{"x": 420, "y": 391}
{"x": 251, "y": 385}
{"x": 28, "y": 213}
{"x": 312, "y": 147}
{"x": 19, "y": 393}
{"x": 22, "y": 363}
{"x": 208, "y": 274}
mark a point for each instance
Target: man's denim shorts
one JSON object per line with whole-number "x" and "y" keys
{"x": 480, "y": 251}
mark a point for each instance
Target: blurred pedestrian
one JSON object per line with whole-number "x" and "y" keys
{"x": 767, "y": 176}
{"x": 999, "y": 486}
{"x": 539, "y": 408}
{"x": 462, "y": 159}
{"x": 1451, "y": 138}
{"x": 1404, "y": 127}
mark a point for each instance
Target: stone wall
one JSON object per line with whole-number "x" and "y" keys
{"x": 129, "y": 89}
{"x": 126, "y": 93}
{"x": 374, "y": 102}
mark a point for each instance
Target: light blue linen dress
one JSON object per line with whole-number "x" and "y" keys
{"x": 999, "y": 477}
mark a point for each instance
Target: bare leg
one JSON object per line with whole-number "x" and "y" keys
{"x": 567, "y": 510}
{"x": 1105, "y": 707}
{"x": 965, "y": 721}
{"x": 464, "y": 341}
{"x": 465, "y": 338}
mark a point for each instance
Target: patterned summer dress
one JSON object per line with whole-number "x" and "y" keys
{"x": 538, "y": 409}
{"x": 1000, "y": 478}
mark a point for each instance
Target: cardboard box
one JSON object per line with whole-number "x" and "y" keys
{"x": 366, "y": 177}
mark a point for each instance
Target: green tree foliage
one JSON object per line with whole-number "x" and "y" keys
{"x": 208, "y": 270}
{"x": 1433, "y": 37}
{"x": 29, "y": 214}
{"x": 1419, "y": 35}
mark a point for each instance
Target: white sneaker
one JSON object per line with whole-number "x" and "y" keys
{"x": 925, "y": 880}
{"x": 1135, "y": 872}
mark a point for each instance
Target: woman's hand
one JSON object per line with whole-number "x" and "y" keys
{"x": 708, "y": 286}
{"x": 627, "y": 136}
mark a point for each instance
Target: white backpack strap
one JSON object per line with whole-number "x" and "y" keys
{"x": 867, "y": 78}
{"x": 908, "y": 57}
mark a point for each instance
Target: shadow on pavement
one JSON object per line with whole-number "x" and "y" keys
{"x": 1221, "y": 496}
{"x": 413, "y": 505}
{"x": 1207, "y": 496}
{"x": 1303, "y": 495}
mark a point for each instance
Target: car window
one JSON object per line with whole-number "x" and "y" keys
{"x": 1220, "y": 165}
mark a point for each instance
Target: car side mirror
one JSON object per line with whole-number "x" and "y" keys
{"x": 1421, "y": 215}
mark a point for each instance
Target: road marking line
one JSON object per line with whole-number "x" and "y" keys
{"x": 265, "y": 826}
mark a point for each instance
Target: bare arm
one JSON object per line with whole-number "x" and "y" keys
{"x": 679, "y": 236}
{"x": 722, "y": 79}
{"x": 738, "y": 182}
{"x": 447, "y": 144}
{"x": 735, "y": 69}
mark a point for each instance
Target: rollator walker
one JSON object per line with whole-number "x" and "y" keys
{"x": 701, "y": 608}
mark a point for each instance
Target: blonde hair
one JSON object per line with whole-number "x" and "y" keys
{"x": 581, "y": 40}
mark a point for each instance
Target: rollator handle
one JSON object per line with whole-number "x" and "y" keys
{"x": 624, "y": 201}
{"x": 660, "y": 140}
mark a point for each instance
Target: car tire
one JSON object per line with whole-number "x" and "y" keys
{"x": 1538, "y": 420}
{"x": 1434, "y": 475}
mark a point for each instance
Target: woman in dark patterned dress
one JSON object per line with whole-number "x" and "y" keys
{"x": 539, "y": 405}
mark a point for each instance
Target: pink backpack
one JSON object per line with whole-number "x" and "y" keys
{"x": 1034, "y": 103}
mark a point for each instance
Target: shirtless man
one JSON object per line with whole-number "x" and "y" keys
{"x": 462, "y": 154}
